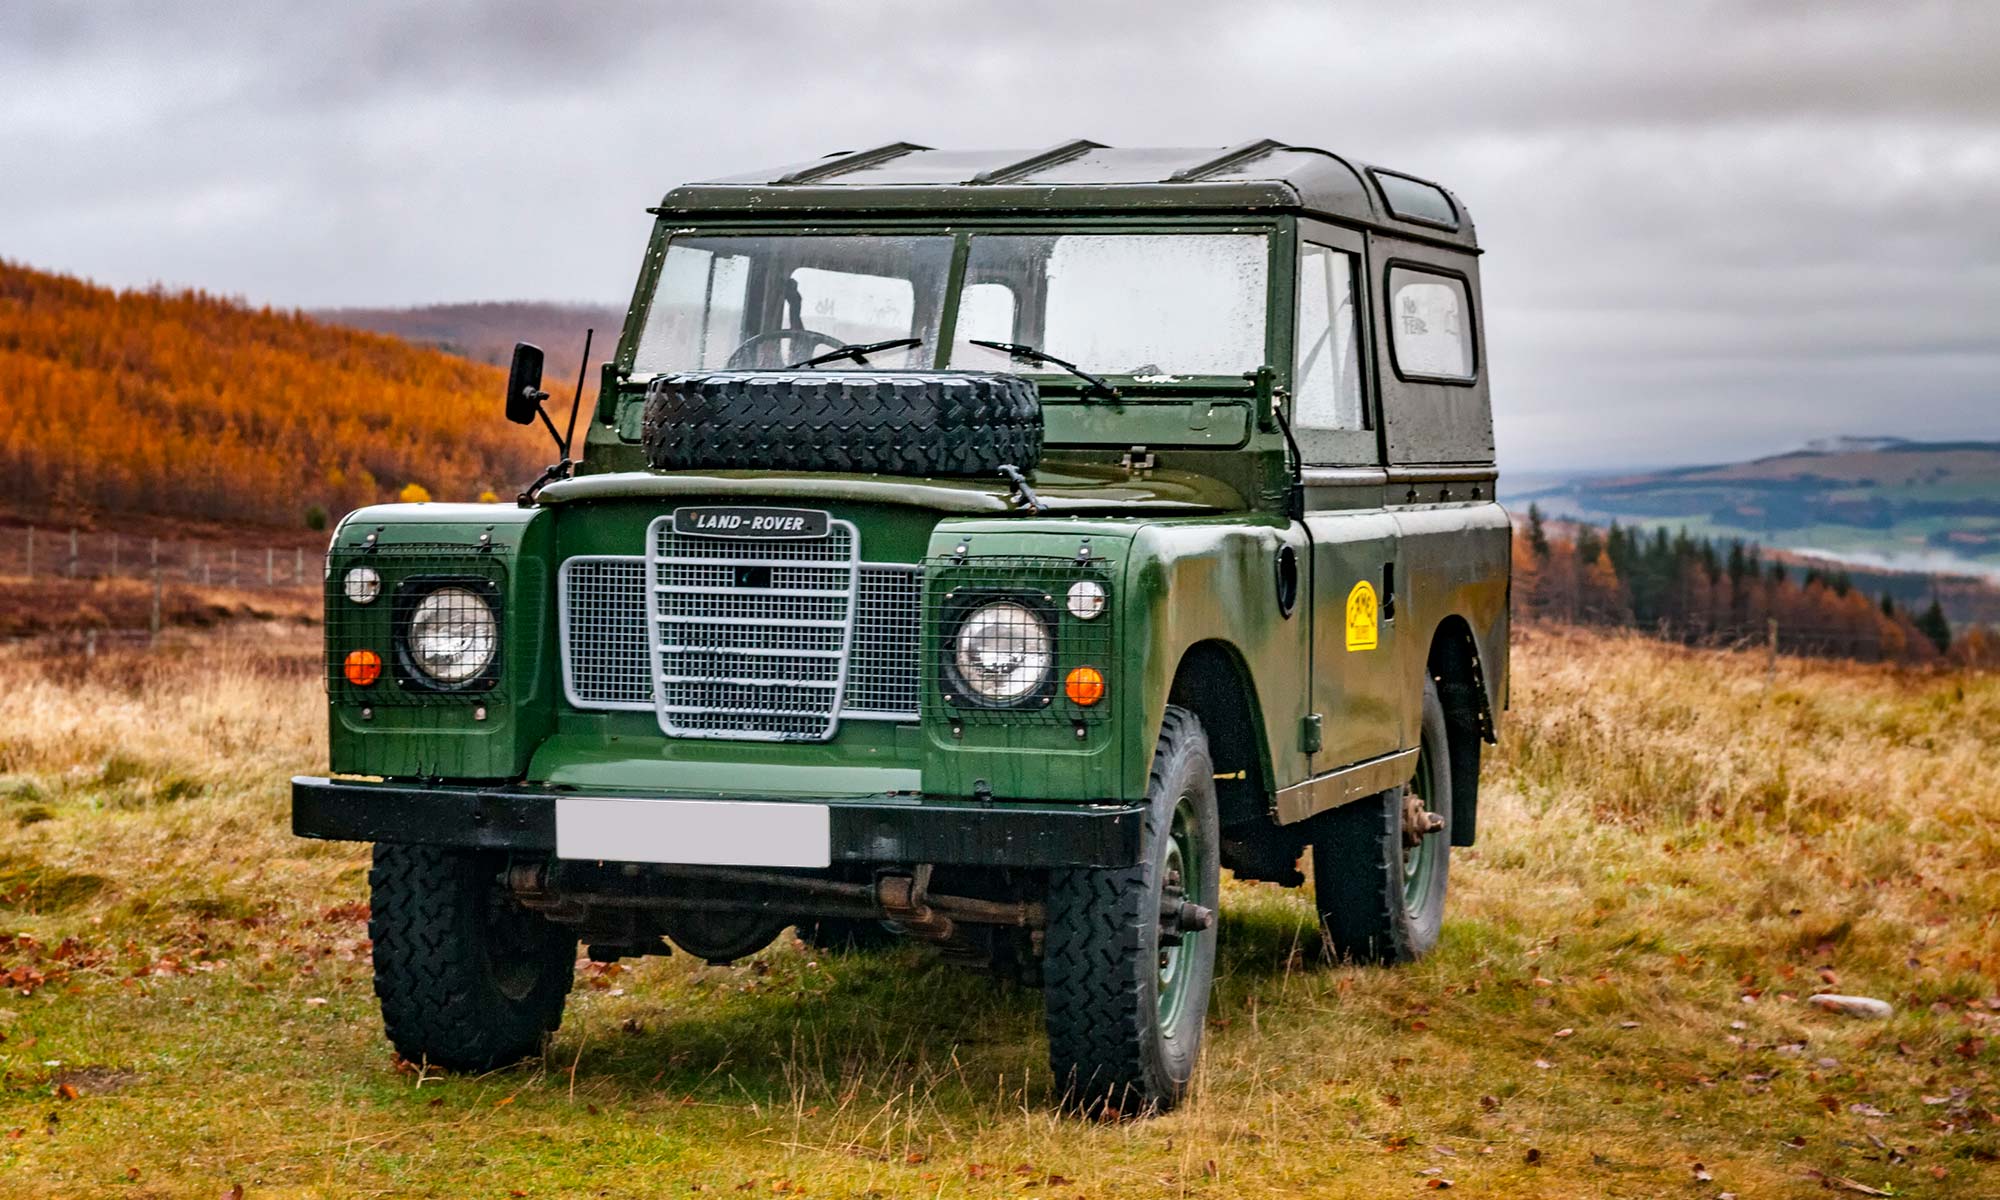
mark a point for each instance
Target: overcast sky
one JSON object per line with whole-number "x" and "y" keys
{"x": 1712, "y": 229}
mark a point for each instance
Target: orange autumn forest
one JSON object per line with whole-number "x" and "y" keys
{"x": 184, "y": 404}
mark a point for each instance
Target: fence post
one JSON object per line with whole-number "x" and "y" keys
{"x": 207, "y": 576}
{"x": 298, "y": 566}
{"x": 114, "y": 556}
{"x": 153, "y": 626}
{"x": 268, "y": 577}
{"x": 31, "y": 552}
{"x": 72, "y": 552}
{"x": 232, "y": 567}
{"x": 155, "y": 556}
{"x": 1771, "y": 659}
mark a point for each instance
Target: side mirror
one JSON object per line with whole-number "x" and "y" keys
{"x": 524, "y": 385}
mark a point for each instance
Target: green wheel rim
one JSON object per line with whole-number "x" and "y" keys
{"x": 1180, "y": 873}
{"x": 1420, "y": 862}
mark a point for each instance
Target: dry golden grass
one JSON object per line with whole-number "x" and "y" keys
{"x": 1674, "y": 852}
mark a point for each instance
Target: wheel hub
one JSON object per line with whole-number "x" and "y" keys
{"x": 1419, "y": 822}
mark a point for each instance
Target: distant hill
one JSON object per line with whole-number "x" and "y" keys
{"x": 1929, "y": 504}
{"x": 486, "y": 332}
{"x": 182, "y": 404}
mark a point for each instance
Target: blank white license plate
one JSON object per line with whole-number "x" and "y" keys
{"x": 724, "y": 833}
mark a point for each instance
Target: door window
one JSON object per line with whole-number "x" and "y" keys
{"x": 1326, "y": 375}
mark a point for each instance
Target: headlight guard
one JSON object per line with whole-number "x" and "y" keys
{"x": 448, "y": 631}
{"x": 986, "y": 596}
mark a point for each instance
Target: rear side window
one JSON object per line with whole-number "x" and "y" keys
{"x": 1326, "y": 378}
{"x": 1415, "y": 200}
{"x": 1430, "y": 324}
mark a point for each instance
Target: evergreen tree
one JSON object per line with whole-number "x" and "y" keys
{"x": 1933, "y": 625}
{"x": 1589, "y": 544}
{"x": 1538, "y": 533}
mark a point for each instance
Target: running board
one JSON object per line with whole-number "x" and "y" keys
{"x": 1344, "y": 786}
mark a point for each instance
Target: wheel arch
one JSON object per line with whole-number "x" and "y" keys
{"x": 1454, "y": 665}
{"x": 1213, "y": 681}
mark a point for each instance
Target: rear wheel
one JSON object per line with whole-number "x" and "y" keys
{"x": 468, "y": 979}
{"x": 1129, "y": 955}
{"x": 1380, "y": 864}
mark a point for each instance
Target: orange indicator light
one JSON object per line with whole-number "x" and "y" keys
{"x": 1085, "y": 686}
{"x": 362, "y": 667}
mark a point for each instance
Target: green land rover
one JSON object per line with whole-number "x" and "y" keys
{"x": 984, "y": 548}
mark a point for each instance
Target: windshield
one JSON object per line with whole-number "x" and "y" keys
{"x": 729, "y": 303}
{"x": 1139, "y": 304}
{"x": 1126, "y": 304}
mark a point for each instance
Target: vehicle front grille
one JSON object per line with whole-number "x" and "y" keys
{"x": 750, "y": 635}
{"x": 759, "y": 639}
{"x": 603, "y": 602}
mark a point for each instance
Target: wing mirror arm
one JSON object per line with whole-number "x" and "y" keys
{"x": 525, "y": 404}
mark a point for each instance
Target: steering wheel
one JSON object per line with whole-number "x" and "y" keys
{"x": 743, "y": 356}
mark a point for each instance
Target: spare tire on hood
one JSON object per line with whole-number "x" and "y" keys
{"x": 896, "y": 423}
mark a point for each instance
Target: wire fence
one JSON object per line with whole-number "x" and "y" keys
{"x": 39, "y": 552}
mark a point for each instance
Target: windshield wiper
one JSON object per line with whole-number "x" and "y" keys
{"x": 858, "y": 351}
{"x": 1029, "y": 354}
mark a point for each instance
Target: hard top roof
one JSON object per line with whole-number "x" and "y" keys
{"x": 1082, "y": 175}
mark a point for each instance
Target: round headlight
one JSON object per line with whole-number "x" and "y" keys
{"x": 362, "y": 585}
{"x": 1086, "y": 599}
{"x": 1003, "y": 652}
{"x": 453, "y": 635}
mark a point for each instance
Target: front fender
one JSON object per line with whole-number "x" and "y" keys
{"x": 1195, "y": 581}
{"x": 390, "y": 729}
{"x": 1056, "y": 751}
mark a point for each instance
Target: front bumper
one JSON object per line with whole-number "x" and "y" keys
{"x": 877, "y": 830}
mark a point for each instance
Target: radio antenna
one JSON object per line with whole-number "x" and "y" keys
{"x": 565, "y": 467}
{"x": 582, "y": 369}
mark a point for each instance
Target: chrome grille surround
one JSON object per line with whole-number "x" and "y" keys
{"x": 748, "y": 638}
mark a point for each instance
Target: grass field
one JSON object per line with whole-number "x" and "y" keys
{"x": 1675, "y": 851}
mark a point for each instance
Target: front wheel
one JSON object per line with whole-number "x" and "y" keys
{"x": 1129, "y": 956}
{"x": 468, "y": 979}
{"x": 1379, "y": 863}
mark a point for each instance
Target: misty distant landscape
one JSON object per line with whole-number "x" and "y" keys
{"x": 1888, "y": 502}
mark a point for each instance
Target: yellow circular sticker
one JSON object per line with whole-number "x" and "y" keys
{"x": 1363, "y": 617}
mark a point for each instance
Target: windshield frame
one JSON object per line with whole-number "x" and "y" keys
{"x": 1060, "y": 386}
